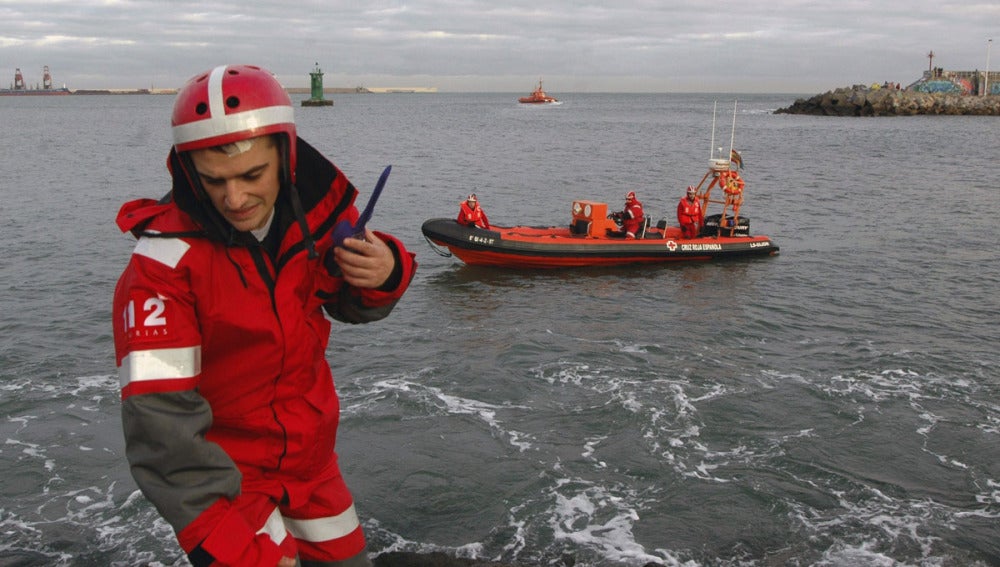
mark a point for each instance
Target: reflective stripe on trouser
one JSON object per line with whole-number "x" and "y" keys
{"x": 314, "y": 530}
{"x": 328, "y": 539}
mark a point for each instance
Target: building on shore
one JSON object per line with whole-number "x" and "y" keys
{"x": 20, "y": 87}
{"x": 939, "y": 80}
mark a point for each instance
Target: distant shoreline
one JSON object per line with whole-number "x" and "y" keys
{"x": 292, "y": 90}
{"x": 123, "y": 91}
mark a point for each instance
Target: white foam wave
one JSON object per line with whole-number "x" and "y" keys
{"x": 860, "y": 531}
{"x": 389, "y": 542}
{"x": 670, "y": 420}
{"x": 436, "y": 401}
{"x": 600, "y": 519}
{"x": 991, "y": 495}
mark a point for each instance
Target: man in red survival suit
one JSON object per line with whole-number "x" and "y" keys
{"x": 228, "y": 403}
{"x": 471, "y": 214}
{"x": 689, "y": 213}
{"x": 632, "y": 216}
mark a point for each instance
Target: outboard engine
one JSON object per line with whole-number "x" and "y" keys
{"x": 713, "y": 226}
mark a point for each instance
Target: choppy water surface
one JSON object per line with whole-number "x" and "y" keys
{"x": 834, "y": 405}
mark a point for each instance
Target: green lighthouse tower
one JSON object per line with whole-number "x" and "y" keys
{"x": 316, "y": 97}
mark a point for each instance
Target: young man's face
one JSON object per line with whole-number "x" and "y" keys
{"x": 242, "y": 187}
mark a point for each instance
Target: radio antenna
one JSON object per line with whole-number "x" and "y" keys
{"x": 711, "y": 147}
{"x": 732, "y": 138}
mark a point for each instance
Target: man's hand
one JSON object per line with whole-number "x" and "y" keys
{"x": 365, "y": 263}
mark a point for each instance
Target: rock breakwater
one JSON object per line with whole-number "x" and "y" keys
{"x": 865, "y": 101}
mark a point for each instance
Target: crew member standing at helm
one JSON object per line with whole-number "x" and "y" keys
{"x": 228, "y": 403}
{"x": 471, "y": 214}
{"x": 689, "y": 213}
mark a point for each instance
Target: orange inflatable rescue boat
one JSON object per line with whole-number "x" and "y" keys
{"x": 593, "y": 238}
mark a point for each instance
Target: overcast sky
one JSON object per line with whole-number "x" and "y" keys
{"x": 780, "y": 46}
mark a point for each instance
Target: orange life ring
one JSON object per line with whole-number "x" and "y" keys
{"x": 734, "y": 183}
{"x": 723, "y": 179}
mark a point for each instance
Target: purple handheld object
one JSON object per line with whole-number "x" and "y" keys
{"x": 344, "y": 229}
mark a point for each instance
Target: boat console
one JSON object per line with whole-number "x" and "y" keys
{"x": 590, "y": 218}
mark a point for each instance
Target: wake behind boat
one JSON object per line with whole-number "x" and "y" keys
{"x": 594, "y": 238}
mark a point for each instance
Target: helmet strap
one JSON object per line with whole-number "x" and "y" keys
{"x": 300, "y": 218}
{"x": 286, "y": 157}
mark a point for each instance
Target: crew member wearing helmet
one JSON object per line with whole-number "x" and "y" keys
{"x": 632, "y": 216}
{"x": 689, "y": 214}
{"x": 471, "y": 214}
{"x": 228, "y": 404}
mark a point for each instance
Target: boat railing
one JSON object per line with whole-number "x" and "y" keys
{"x": 731, "y": 184}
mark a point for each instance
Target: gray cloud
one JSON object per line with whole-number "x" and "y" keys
{"x": 478, "y": 45}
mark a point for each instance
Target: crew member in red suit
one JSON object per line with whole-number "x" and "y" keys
{"x": 471, "y": 214}
{"x": 632, "y": 216}
{"x": 221, "y": 329}
{"x": 689, "y": 213}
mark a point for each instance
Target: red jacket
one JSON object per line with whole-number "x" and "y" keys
{"x": 688, "y": 212}
{"x": 221, "y": 348}
{"x": 633, "y": 216}
{"x": 473, "y": 217}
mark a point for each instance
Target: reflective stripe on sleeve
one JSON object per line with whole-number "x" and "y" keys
{"x": 160, "y": 364}
{"x": 167, "y": 251}
{"x": 324, "y": 529}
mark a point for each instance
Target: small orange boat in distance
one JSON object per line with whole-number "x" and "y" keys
{"x": 538, "y": 96}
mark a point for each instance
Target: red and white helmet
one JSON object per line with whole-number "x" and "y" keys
{"x": 630, "y": 196}
{"x": 231, "y": 103}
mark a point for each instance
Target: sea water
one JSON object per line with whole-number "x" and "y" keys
{"x": 834, "y": 405}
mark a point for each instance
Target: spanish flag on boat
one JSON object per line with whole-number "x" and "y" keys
{"x": 736, "y": 158}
